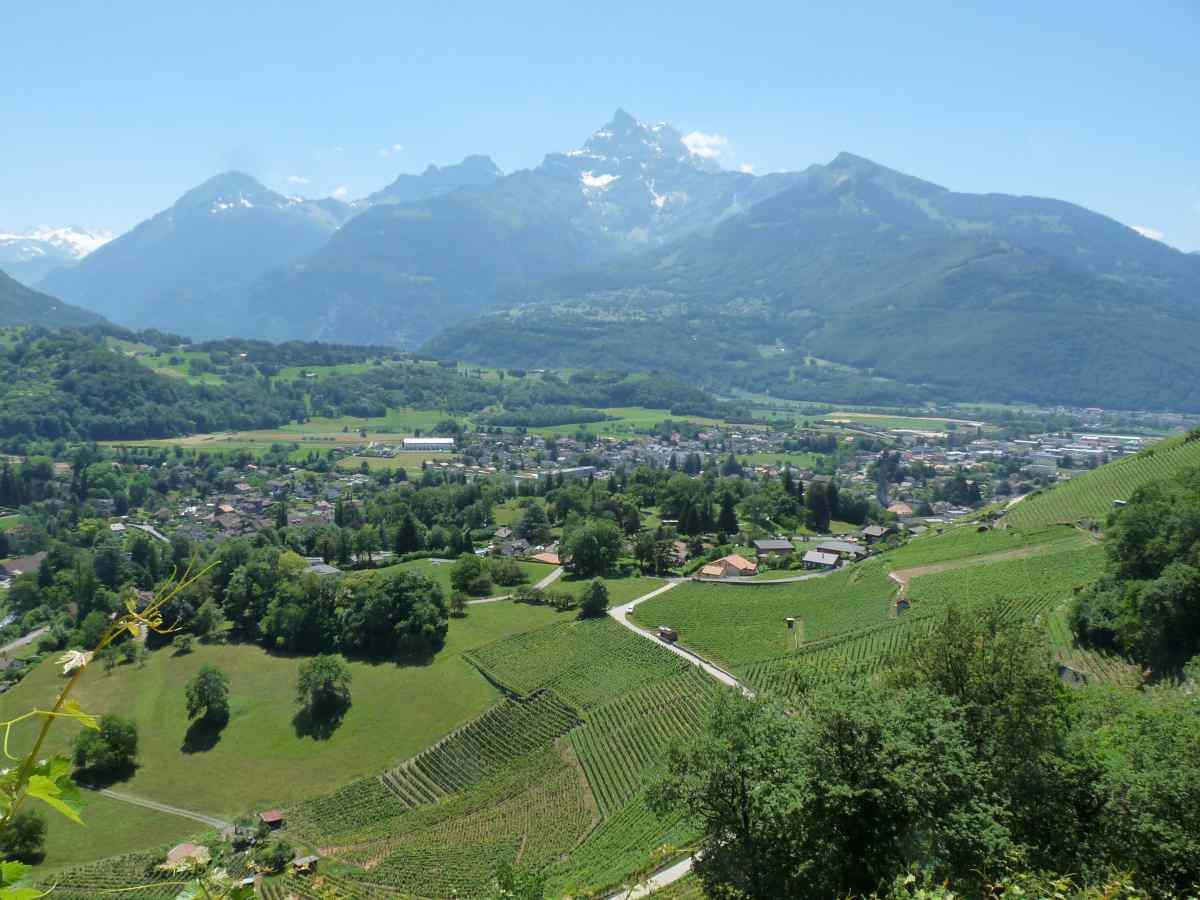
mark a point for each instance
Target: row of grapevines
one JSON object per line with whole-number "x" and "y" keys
{"x": 1091, "y": 495}
{"x": 513, "y": 728}
{"x": 625, "y": 738}
{"x": 586, "y": 663}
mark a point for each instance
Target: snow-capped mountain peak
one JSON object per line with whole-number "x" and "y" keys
{"x": 29, "y": 255}
{"x": 70, "y": 241}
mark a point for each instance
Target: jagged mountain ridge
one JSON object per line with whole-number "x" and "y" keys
{"x": 976, "y": 295}
{"x": 401, "y": 272}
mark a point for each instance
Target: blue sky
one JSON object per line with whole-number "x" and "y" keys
{"x": 111, "y": 110}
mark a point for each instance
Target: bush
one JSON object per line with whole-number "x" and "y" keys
{"x": 506, "y": 572}
{"x": 109, "y": 750}
{"x": 24, "y": 838}
{"x": 274, "y": 856}
{"x": 480, "y": 586}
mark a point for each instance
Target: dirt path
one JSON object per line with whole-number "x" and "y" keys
{"x": 903, "y": 576}
{"x": 27, "y": 639}
{"x": 211, "y": 821}
{"x": 541, "y": 586}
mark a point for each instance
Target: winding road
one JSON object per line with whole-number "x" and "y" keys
{"x": 211, "y": 821}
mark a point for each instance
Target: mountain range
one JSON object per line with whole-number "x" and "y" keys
{"x": 29, "y": 256}
{"x": 848, "y": 279}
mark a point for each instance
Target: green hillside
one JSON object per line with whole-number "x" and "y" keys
{"x": 20, "y": 305}
{"x": 1091, "y": 496}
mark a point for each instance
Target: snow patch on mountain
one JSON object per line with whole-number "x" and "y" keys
{"x": 597, "y": 181}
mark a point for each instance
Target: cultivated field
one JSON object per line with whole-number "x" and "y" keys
{"x": 1090, "y": 495}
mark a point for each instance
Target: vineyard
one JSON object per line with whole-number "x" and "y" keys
{"x": 686, "y": 888}
{"x": 134, "y": 875}
{"x": 734, "y": 625}
{"x": 514, "y": 728}
{"x": 1091, "y": 495}
{"x": 586, "y": 663}
{"x": 965, "y": 541}
{"x": 625, "y": 738}
{"x": 1051, "y": 576}
{"x": 531, "y": 812}
{"x": 622, "y": 851}
{"x": 863, "y": 653}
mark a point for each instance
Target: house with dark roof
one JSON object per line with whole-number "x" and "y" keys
{"x": 773, "y": 547}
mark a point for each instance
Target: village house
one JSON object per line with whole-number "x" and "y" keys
{"x": 773, "y": 547}
{"x": 729, "y": 567}
{"x": 819, "y": 559}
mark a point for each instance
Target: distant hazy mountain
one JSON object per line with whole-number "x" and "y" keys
{"x": 474, "y": 170}
{"x": 399, "y": 272}
{"x": 29, "y": 256}
{"x": 178, "y": 269}
{"x": 20, "y": 305}
{"x": 975, "y": 295}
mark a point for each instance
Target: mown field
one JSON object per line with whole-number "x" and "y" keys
{"x": 439, "y": 572}
{"x": 264, "y": 755}
{"x": 1090, "y": 495}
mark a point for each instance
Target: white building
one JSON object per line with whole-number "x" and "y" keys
{"x": 429, "y": 443}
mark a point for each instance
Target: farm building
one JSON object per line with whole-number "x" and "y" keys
{"x": 272, "y": 818}
{"x": 901, "y": 509}
{"x": 874, "y": 533}
{"x": 185, "y": 853}
{"x": 729, "y": 567}
{"x": 429, "y": 443}
{"x": 773, "y": 547}
{"x": 843, "y": 549}
{"x": 816, "y": 559}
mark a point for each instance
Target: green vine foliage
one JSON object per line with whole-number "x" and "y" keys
{"x": 48, "y": 779}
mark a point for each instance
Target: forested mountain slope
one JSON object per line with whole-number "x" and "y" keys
{"x": 974, "y": 295}
{"x": 20, "y": 305}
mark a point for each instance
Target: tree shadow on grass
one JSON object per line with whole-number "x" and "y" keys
{"x": 203, "y": 734}
{"x": 98, "y": 779}
{"x": 320, "y": 723}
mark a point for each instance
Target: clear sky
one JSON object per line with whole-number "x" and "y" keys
{"x": 110, "y": 110}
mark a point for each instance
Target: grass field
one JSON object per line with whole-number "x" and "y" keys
{"x": 620, "y": 590}
{"x": 410, "y": 462}
{"x": 8, "y": 523}
{"x": 112, "y": 827}
{"x": 912, "y": 423}
{"x": 1091, "y": 494}
{"x": 626, "y": 421}
{"x": 260, "y": 759}
{"x": 439, "y": 572}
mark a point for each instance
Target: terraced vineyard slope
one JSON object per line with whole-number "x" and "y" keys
{"x": 1091, "y": 495}
{"x": 586, "y": 663}
{"x": 625, "y": 738}
{"x": 515, "y": 727}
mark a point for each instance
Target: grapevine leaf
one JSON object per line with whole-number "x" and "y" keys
{"x": 56, "y": 788}
{"x": 20, "y": 893}
{"x": 87, "y": 720}
{"x": 12, "y": 872}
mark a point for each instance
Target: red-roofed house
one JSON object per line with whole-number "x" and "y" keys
{"x": 729, "y": 567}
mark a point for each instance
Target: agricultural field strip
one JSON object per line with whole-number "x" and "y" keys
{"x": 1091, "y": 494}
